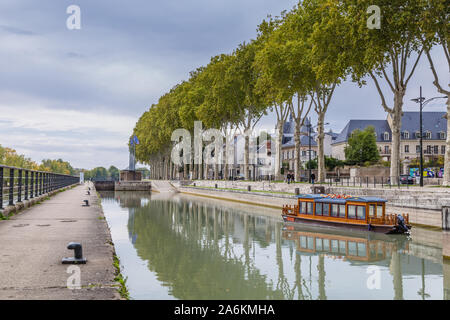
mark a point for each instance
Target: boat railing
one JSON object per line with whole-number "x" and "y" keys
{"x": 389, "y": 219}
{"x": 290, "y": 210}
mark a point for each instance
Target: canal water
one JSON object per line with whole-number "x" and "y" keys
{"x": 186, "y": 247}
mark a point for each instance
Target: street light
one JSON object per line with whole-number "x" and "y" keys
{"x": 309, "y": 144}
{"x": 422, "y": 103}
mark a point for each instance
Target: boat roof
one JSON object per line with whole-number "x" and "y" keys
{"x": 341, "y": 199}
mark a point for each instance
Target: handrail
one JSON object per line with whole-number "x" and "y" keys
{"x": 21, "y": 184}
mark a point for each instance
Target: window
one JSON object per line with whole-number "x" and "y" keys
{"x": 436, "y": 149}
{"x": 372, "y": 210}
{"x": 417, "y": 134}
{"x": 386, "y": 136}
{"x": 309, "y": 207}
{"x": 386, "y": 149}
{"x": 303, "y": 153}
{"x": 352, "y": 248}
{"x": 319, "y": 246}
{"x": 428, "y": 150}
{"x": 405, "y": 135}
{"x": 443, "y": 149}
{"x": 417, "y": 149}
{"x": 301, "y": 207}
{"x": 335, "y": 210}
{"x": 342, "y": 211}
{"x": 335, "y": 246}
{"x": 362, "y": 250}
{"x": 318, "y": 209}
{"x": 361, "y": 212}
{"x": 352, "y": 212}
{"x": 442, "y": 135}
{"x": 380, "y": 210}
{"x": 406, "y": 148}
{"x": 428, "y": 135}
{"x": 342, "y": 247}
{"x": 326, "y": 209}
{"x": 326, "y": 245}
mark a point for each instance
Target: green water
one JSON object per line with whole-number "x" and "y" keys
{"x": 183, "y": 247}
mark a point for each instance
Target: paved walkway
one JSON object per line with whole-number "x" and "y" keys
{"x": 163, "y": 186}
{"x": 33, "y": 243}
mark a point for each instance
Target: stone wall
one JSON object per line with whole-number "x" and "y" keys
{"x": 133, "y": 186}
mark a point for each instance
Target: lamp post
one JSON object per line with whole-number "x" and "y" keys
{"x": 422, "y": 103}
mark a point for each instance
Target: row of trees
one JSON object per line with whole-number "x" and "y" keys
{"x": 9, "y": 157}
{"x": 294, "y": 66}
{"x": 112, "y": 173}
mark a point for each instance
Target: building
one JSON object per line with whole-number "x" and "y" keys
{"x": 434, "y": 136}
{"x": 307, "y": 144}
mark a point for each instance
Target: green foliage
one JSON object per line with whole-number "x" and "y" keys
{"x": 57, "y": 166}
{"x": 362, "y": 147}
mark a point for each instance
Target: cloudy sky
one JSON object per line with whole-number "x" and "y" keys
{"x": 77, "y": 94}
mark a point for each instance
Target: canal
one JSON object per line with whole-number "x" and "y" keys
{"x": 186, "y": 247}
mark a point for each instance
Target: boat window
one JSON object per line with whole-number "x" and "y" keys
{"x": 335, "y": 210}
{"x": 361, "y": 212}
{"x": 372, "y": 210}
{"x": 334, "y": 246}
{"x": 303, "y": 242}
{"x": 326, "y": 209}
{"x": 352, "y": 249}
{"x": 310, "y": 243}
{"x": 342, "y": 246}
{"x": 309, "y": 207}
{"x": 318, "y": 209}
{"x": 352, "y": 212}
{"x": 326, "y": 245}
{"x": 342, "y": 211}
{"x": 380, "y": 210}
{"x": 362, "y": 250}
{"x": 319, "y": 244}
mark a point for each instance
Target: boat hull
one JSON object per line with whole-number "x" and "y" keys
{"x": 364, "y": 227}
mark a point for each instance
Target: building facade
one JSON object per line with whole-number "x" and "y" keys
{"x": 434, "y": 130}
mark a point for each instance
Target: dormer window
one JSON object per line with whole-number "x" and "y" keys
{"x": 417, "y": 134}
{"x": 428, "y": 135}
{"x": 405, "y": 135}
{"x": 386, "y": 136}
{"x": 442, "y": 135}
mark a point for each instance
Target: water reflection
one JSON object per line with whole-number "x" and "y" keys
{"x": 198, "y": 248}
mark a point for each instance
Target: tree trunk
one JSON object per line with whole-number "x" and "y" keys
{"x": 297, "y": 151}
{"x": 320, "y": 155}
{"x": 446, "y": 177}
{"x": 279, "y": 156}
{"x": 396, "y": 127}
{"x": 246, "y": 157}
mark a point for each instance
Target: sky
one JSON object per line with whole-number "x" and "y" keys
{"x": 77, "y": 94}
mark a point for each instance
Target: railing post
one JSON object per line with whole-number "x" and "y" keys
{"x": 1, "y": 187}
{"x": 11, "y": 186}
{"x": 26, "y": 184}
{"x": 42, "y": 183}
{"x": 36, "y": 183}
{"x": 19, "y": 189}
{"x": 31, "y": 184}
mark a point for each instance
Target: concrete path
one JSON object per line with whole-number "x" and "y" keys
{"x": 163, "y": 186}
{"x": 33, "y": 243}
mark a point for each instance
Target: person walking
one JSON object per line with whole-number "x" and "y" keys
{"x": 313, "y": 177}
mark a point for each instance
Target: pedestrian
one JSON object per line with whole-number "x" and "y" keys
{"x": 313, "y": 177}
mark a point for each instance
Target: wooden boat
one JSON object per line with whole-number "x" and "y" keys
{"x": 364, "y": 213}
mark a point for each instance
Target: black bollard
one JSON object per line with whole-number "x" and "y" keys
{"x": 78, "y": 254}
{"x": 86, "y": 203}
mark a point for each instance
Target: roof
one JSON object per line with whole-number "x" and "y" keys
{"x": 433, "y": 122}
{"x": 381, "y": 126}
{"x": 341, "y": 200}
{"x": 304, "y": 141}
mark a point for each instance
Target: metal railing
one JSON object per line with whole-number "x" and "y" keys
{"x": 370, "y": 182}
{"x": 18, "y": 184}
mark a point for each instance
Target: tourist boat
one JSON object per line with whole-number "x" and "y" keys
{"x": 364, "y": 213}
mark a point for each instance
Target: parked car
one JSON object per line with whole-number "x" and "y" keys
{"x": 407, "y": 179}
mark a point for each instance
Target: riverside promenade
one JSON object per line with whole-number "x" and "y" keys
{"x": 33, "y": 242}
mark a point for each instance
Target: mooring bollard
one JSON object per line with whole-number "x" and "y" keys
{"x": 78, "y": 254}
{"x": 297, "y": 191}
{"x": 88, "y": 193}
{"x": 215, "y": 185}
{"x": 249, "y": 188}
{"x": 86, "y": 203}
